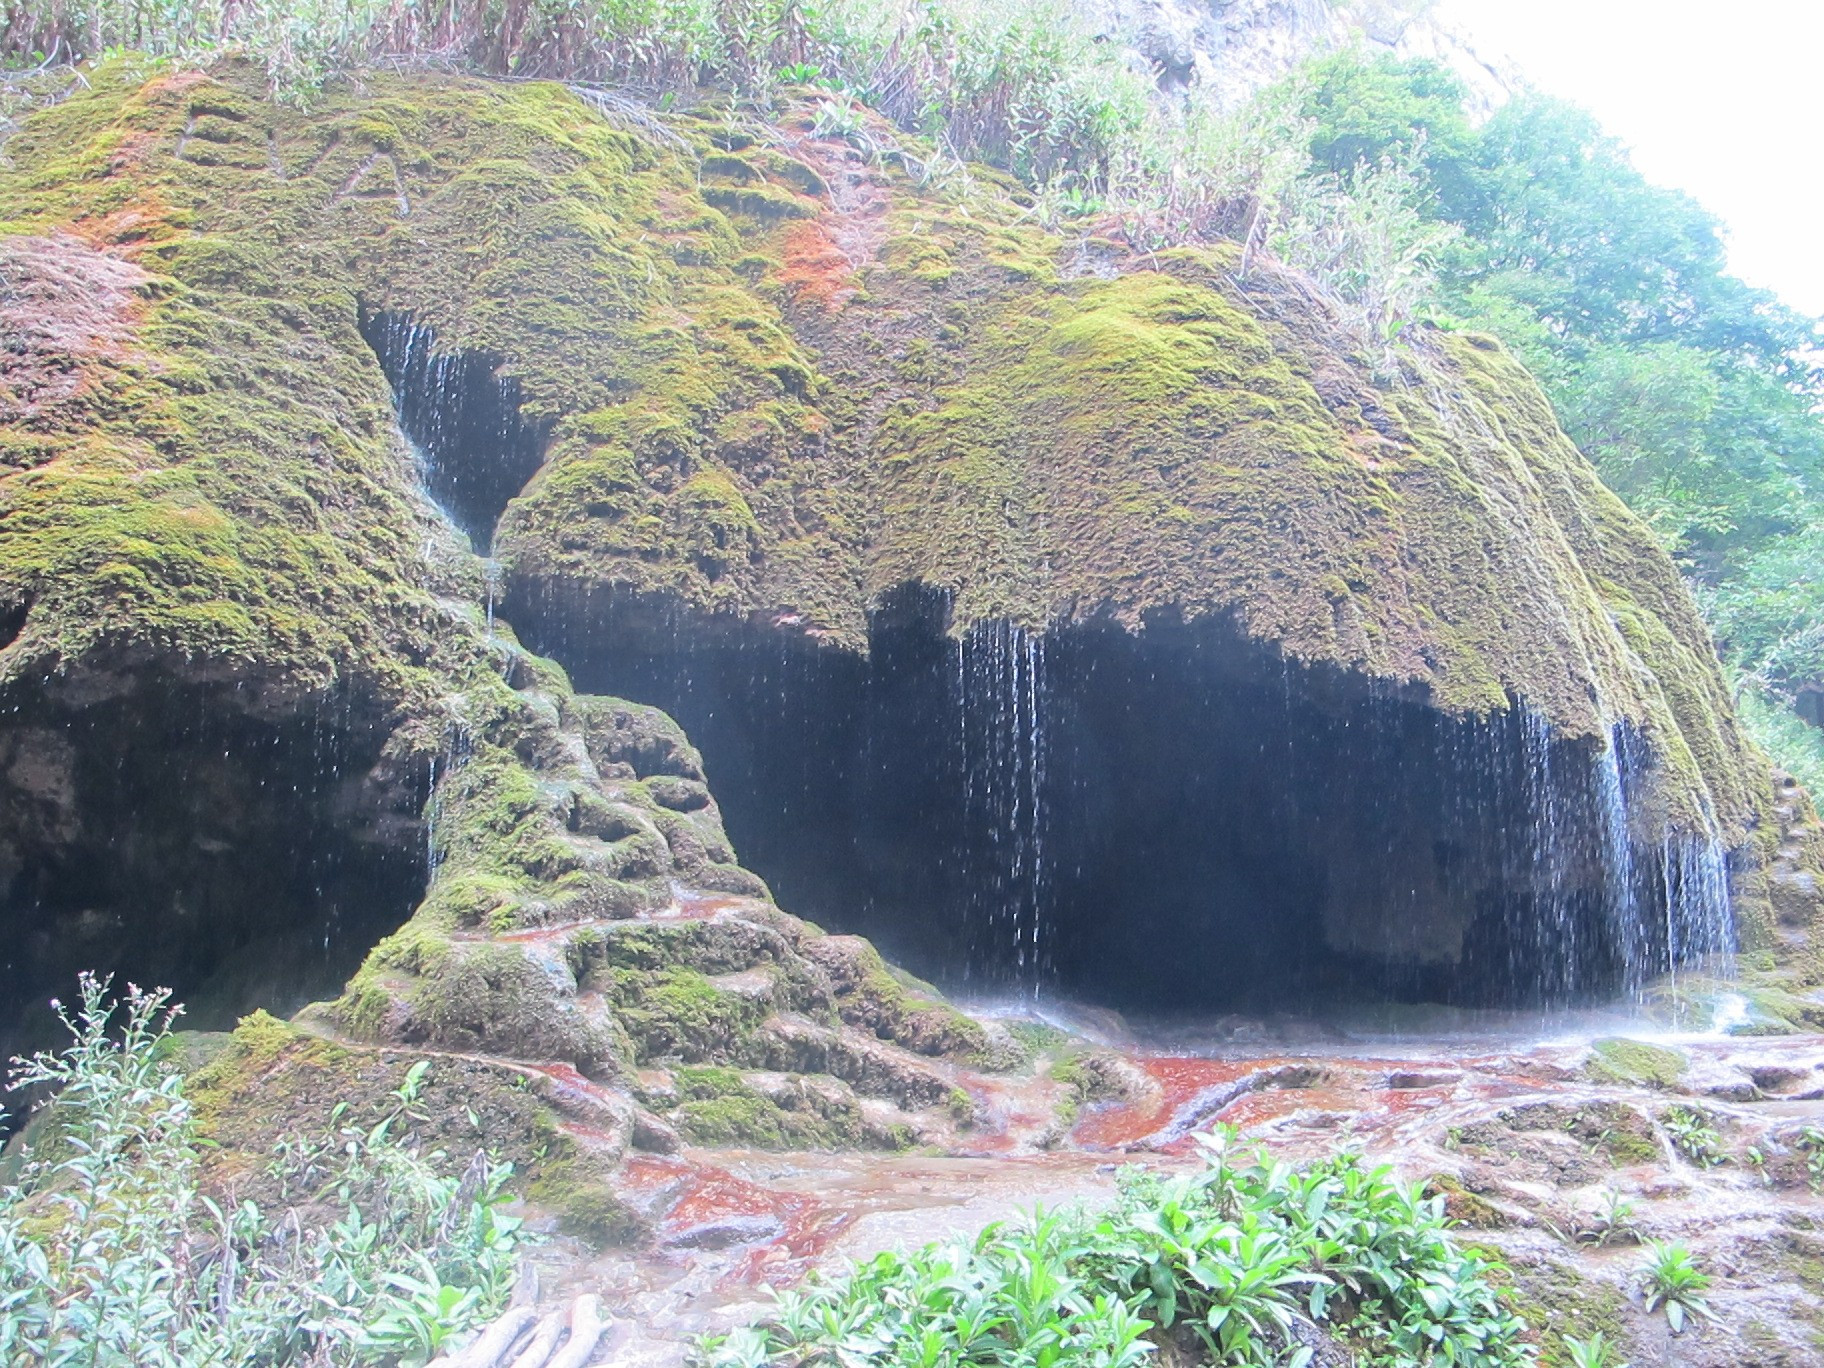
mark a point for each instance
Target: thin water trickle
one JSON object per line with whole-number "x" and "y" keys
{"x": 1623, "y": 905}
{"x": 1000, "y": 706}
{"x": 491, "y": 578}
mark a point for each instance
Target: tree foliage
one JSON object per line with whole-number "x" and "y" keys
{"x": 1696, "y": 395}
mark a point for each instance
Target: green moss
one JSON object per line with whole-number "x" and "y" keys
{"x": 1087, "y": 1076}
{"x": 703, "y": 1082}
{"x": 577, "y": 1188}
{"x": 1070, "y": 1072}
{"x": 718, "y": 1106}
{"x": 1635, "y": 1063}
{"x": 1557, "y": 1302}
{"x": 1464, "y": 1207}
{"x": 681, "y": 1013}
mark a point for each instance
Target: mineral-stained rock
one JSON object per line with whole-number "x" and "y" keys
{"x": 722, "y": 446}
{"x": 754, "y": 383}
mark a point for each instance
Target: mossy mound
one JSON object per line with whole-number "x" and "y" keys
{"x": 585, "y": 913}
{"x": 1635, "y": 1063}
{"x": 267, "y": 1081}
{"x": 1464, "y": 1206}
{"x": 776, "y": 380}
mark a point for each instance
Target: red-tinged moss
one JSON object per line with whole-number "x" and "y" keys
{"x": 1046, "y": 429}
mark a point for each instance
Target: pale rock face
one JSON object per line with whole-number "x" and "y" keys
{"x": 1234, "y": 47}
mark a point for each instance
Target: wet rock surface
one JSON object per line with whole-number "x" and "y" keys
{"x": 1564, "y": 1177}
{"x": 210, "y": 494}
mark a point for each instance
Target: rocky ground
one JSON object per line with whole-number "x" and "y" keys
{"x": 1564, "y": 1157}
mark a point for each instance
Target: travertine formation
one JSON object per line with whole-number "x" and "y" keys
{"x": 766, "y": 377}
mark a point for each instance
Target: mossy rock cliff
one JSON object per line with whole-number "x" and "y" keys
{"x": 775, "y": 380}
{"x": 767, "y": 380}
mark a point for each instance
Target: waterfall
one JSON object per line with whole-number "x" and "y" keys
{"x": 425, "y": 387}
{"x": 1580, "y": 818}
{"x": 1552, "y": 853}
{"x": 490, "y": 569}
{"x": 1179, "y": 816}
{"x": 1000, "y": 707}
{"x": 1589, "y": 909}
{"x": 1700, "y": 922}
{"x": 1626, "y": 921}
{"x": 461, "y": 416}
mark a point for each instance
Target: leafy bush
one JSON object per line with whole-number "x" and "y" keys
{"x": 1673, "y": 1281}
{"x": 1235, "y": 1259}
{"x": 110, "y": 1256}
{"x": 1694, "y": 1136}
{"x": 1594, "y": 1352}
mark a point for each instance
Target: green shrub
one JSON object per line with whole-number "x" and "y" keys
{"x": 1230, "y": 1258}
{"x": 1672, "y": 1281}
{"x": 1694, "y": 1136}
{"x": 1595, "y": 1352}
{"x": 110, "y": 1256}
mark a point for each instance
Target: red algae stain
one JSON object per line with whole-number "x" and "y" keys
{"x": 1259, "y": 1108}
{"x": 1181, "y": 1081}
{"x": 815, "y": 269}
{"x": 777, "y": 1235}
{"x": 648, "y": 1171}
{"x": 71, "y": 314}
{"x": 1009, "y": 1114}
{"x": 1397, "y": 1102}
{"x": 692, "y": 905}
{"x": 537, "y": 935}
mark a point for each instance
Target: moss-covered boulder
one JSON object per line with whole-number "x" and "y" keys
{"x": 759, "y": 381}
{"x": 1636, "y": 1063}
{"x": 774, "y": 380}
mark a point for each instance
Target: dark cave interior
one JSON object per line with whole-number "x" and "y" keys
{"x": 173, "y": 839}
{"x": 1171, "y": 818}
{"x": 463, "y": 417}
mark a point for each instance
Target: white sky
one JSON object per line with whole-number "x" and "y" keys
{"x": 1723, "y": 99}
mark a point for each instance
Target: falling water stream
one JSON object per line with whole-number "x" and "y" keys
{"x": 999, "y": 705}
{"x": 1327, "y": 791}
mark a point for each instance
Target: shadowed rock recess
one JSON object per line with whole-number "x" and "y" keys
{"x": 1056, "y": 617}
